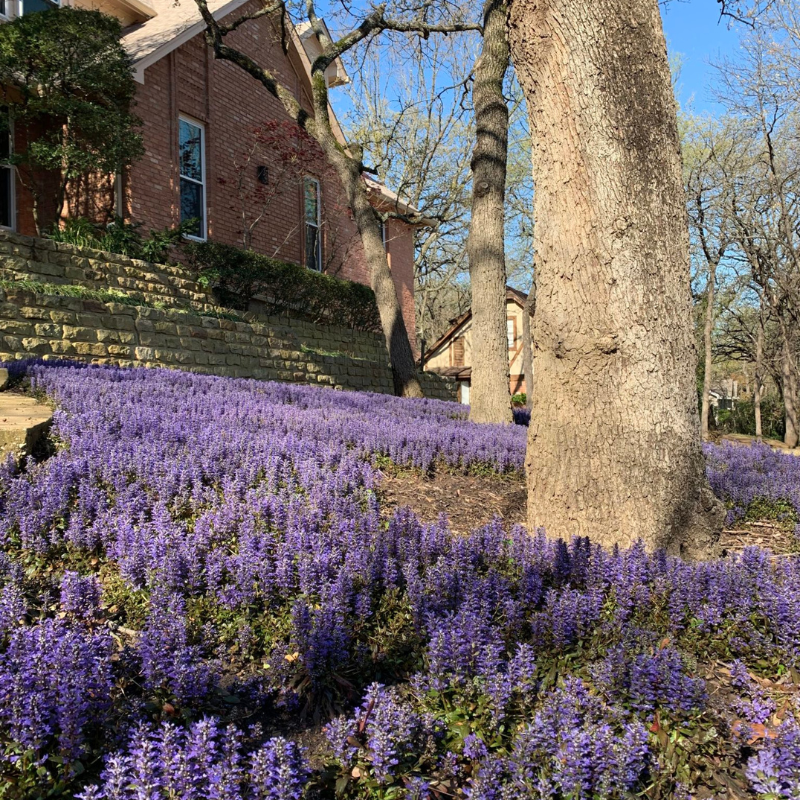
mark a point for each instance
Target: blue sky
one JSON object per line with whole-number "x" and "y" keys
{"x": 693, "y": 29}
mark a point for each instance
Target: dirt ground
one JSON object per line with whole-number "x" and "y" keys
{"x": 470, "y": 501}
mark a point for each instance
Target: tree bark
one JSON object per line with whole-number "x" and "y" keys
{"x": 613, "y": 332}
{"x": 707, "y": 365}
{"x": 527, "y": 344}
{"x": 490, "y": 394}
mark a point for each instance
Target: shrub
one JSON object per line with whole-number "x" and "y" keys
{"x": 741, "y": 418}
{"x": 75, "y": 69}
{"x": 121, "y": 237}
{"x": 236, "y": 276}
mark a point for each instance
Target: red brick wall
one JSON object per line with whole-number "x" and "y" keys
{"x": 231, "y": 104}
{"x": 400, "y": 248}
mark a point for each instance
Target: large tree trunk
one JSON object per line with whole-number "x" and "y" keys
{"x": 707, "y": 365}
{"x": 789, "y": 376}
{"x": 614, "y": 443}
{"x": 490, "y": 395}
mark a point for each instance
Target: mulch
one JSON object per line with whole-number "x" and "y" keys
{"x": 470, "y": 501}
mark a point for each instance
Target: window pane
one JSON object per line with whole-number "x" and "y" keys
{"x": 313, "y": 260}
{"x": 510, "y": 333}
{"x": 3, "y": 8}
{"x": 192, "y": 206}
{"x": 191, "y": 149}
{"x": 5, "y": 196}
{"x": 29, "y": 6}
{"x": 312, "y": 202}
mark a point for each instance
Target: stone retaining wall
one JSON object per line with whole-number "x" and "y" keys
{"x": 177, "y": 335}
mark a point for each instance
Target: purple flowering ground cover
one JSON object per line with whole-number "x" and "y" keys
{"x": 200, "y": 574}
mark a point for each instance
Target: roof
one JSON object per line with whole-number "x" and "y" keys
{"x": 391, "y": 199}
{"x": 175, "y": 22}
{"x": 336, "y": 74}
{"x": 453, "y": 373}
{"x": 512, "y": 295}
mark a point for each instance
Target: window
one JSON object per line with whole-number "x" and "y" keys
{"x": 511, "y": 332}
{"x": 6, "y": 172}
{"x": 457, "y": 352}
{"x": 193, "y": 176}
{"x": 31, "y": 6}
{"x": 311, "y": 206}
{"x": 383, "y": 232}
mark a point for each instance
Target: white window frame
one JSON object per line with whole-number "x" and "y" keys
{"x": 311, "y": 179}
{"x": 182, "y": 177}
{"x": 13, "y": 172}
{"x": 511, "y": 332}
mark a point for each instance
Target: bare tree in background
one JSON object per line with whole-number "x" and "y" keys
{"x": 707, "y": 151}
{"x": 348, "y": 165}
{"x": 415, "y": 125}
{"x": 765, "y": 205}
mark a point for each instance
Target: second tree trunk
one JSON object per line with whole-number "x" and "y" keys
{"x": 490, "y": 396}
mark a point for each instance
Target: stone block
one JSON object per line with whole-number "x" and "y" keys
{"x": 107, "y": 336}
{"x": 63, "y": 317}
{"x": 143, "y": 353}
{"x": 33, "y": 311}
{"x": 48, "y": 330}
{"x": 90, "y": 349}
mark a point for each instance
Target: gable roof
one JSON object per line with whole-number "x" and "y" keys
{"x": 175, "y": 22}
{"x": 512, "y": 296}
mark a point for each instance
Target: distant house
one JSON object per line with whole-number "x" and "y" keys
{"x": 451, "y": 355}
{"x": 199, "y": 115}
{"x": 725, "y": 393}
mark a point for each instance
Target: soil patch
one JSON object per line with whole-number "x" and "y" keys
{"x": 468, "y": 501}
{"x": 759, "y": 534}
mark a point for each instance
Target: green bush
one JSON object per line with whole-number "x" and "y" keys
{"x": 121, "y": 237}
{"x": 67, "y": 80}
{"x": 741, "y": 419}
{"x": 519, "y": 399}
{"x": 236, "y": 276}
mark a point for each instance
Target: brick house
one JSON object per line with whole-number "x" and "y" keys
{"x": 201, "y": 161}
{"x": 451, "y": 355}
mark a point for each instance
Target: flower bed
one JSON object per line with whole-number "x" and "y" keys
{"x": 204, "y": 559}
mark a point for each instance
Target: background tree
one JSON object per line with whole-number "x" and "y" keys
{"x": 411, "y": 113}
{"x": 764, "y": 184}
{"x": 68, "y": 84}
{"x": 348, "y": 163}
{"x": 706, "y": 151}
{"x": 490, "y": 396}
{"x": 411, "y": 109}
{"x": 614, "y": 357}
